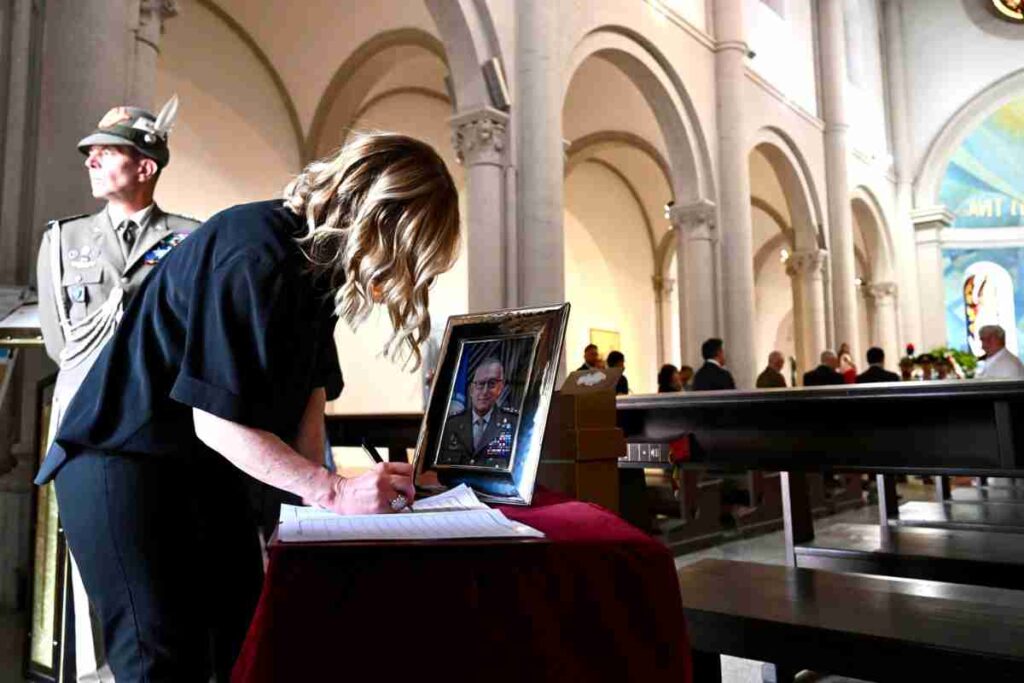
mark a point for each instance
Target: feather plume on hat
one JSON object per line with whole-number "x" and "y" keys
{"x": 165, "y": 119}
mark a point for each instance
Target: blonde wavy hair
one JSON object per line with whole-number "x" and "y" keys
{"x": 382, "y": 221}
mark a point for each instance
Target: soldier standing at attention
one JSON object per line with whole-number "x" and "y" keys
{"x": 88, "y": 268}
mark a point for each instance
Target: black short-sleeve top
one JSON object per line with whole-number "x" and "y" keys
{"x": 232, "y": 321}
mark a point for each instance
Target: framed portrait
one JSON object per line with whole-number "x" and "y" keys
{"x": 488, "y": 406}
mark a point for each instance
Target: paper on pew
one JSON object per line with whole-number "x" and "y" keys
{"x": 321, "y": 526}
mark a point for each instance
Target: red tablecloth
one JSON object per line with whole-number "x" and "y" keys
{"x": 598, "y": 600}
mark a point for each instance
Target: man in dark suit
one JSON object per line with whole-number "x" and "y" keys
{"x": 617, "y": 360}
{"x": 825, "y": 374}
{"x": 591, "y": 358}
{"x": 713, "y": 376}
{"x": 772, "y": 377}
{"x": 876, "y": 371}
{"x": 483, "y": 434}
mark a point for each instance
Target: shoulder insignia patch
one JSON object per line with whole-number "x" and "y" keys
{"x": 163, "y": 247}
{"x": 68, "y": 219}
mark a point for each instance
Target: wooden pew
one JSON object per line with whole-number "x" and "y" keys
{"x": 868, "y": 627}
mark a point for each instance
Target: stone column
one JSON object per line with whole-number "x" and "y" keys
{"x": 695, "y": 257}
{"x": 928, "y": 225}
{"x": 737, "y": 249}
{"x": 663, "y": 315}
{"x": 902, "y": 227}
{"x": 882, "y": 299}
{"x": 480, "y": 138}
{"x": 840, "y": 218}
{"x": 146, "y": 50}
{"x": 538, "y": 117}
{"x": 805, "y": 267}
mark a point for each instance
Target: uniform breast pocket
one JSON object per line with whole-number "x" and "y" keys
{"x": 83, "y": 291}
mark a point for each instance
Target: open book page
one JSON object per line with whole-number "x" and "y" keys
{"x": 459, "y": 498}
{"x": 298, "y": 526}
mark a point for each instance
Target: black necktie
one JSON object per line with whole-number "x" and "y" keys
{"x": 128, "y": 235}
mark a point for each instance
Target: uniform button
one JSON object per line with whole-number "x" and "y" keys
{"x": 124, "y": 281}
{"x": 78, "y": 278}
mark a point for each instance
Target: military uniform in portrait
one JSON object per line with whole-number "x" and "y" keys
{"x": 492, "y": 448}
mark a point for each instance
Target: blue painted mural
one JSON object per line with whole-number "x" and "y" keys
{"x": 984, "y": 188}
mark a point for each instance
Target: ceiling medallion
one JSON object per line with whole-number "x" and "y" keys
{"x": 1010, "y": 10}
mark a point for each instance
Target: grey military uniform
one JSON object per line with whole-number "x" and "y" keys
{"x": 86, "y": 280}
{"x": 495, "y": 448}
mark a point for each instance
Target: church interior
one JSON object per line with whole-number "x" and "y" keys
{"x": 803, "y": 180}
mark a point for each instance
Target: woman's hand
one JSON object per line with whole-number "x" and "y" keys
{"x": 373, "y": 491}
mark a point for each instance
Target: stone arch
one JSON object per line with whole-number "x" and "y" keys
{"x": 263, "y": 59}
{"x": 357, "y": 75}
{"x": 469, "y": 39}
{"x": 868, "y": 214}
{"x": 933, "y": 166}
{"x": 794, "y": 175}
{"x": 688, "y": 155}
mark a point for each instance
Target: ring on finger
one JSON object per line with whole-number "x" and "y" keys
{"x": 399, "y": 502}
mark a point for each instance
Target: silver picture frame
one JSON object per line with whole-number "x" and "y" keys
{"x": 489, "y": 400}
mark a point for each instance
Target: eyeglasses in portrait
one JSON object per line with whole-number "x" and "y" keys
{"x": 485, "y": 419}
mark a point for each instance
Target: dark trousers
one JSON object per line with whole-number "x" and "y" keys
{"x": 169, "y": 556}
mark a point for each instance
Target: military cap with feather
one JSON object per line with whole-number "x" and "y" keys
{"x": 135, "y": 127}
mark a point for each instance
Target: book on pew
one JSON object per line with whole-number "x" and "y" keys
{"x": 454, "y": 514}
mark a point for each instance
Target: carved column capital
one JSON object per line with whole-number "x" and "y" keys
{"x": 694, "y": 221}
{"x": 153, "y": 13}
{"x": 806, "y": 262}
{"x": 880, "y": 292}
{"x": 480, "y": 137}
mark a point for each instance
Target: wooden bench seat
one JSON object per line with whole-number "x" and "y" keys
{"x": 876, "y": 628}
{"x": 983, "y": 558}
{"x": 952, "y": 515}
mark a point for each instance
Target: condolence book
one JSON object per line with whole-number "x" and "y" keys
{"x": 451, "y": 515}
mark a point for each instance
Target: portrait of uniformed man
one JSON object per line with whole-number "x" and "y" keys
{"x": 89, "y": 267}
{"x": 482, "y": 432}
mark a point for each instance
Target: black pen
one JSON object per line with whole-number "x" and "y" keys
{"x": 372, "y": 452}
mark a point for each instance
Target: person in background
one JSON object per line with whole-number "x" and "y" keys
{"x": 825, "y": 374}
{"x": 847, "y": 368}
{"x": 668, "y": 379}
{"x": 771, "y": 377}
{"x": 617, "y": 360}
{"x": 713, "y": 376}
{"x": 876, "y": 371}
{"x": 998, "y": 362}
{"x": 686, "y": 378}
{"x": 591, "y": 358}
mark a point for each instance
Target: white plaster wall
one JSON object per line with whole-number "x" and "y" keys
{"x": 773, "y": 296}
{"x": 308, "y": 41}
{"x": 372, "y": 383}
{"x": 950, "y": 58}
{"x": 865, "y": 97}
{"x": 233, "y": 141}
{"x": 608, "y": 269}
{"x": 784, "y": 48}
